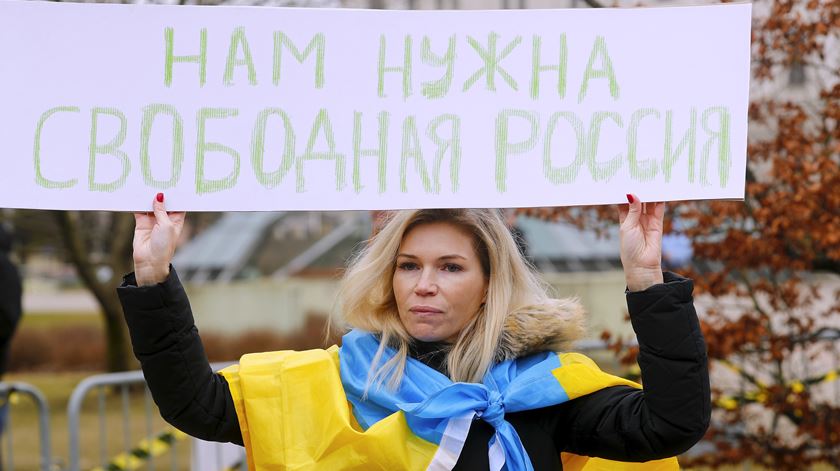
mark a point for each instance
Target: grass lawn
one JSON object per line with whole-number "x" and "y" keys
{"x": 48, "y": 320}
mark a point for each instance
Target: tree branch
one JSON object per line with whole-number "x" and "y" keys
{"x": 743, "y": 374}
{"x": 72, "y": 238}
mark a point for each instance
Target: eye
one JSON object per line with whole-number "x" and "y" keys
{"x": 407, "y": 266}
{"x": 452, "y": 267}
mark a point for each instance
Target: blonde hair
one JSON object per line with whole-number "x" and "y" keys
{"x": 366, "y": 295}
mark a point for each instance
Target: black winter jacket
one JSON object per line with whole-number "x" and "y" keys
{"x": 665, "y": 419}
{"x": 11, "y": 291}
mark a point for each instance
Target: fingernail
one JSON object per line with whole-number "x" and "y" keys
{"x": 629, "y": 198}
{"x": 159, "y": 197}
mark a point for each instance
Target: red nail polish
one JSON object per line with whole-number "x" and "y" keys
{"x": 159, "y": 197}
{"x": 629, "y": 198}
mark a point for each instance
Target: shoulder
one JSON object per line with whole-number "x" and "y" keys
{"x": 283, "y": 362}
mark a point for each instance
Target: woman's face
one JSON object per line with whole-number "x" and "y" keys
{"x": 438, "y": 282}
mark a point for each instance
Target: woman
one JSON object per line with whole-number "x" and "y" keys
{"x": 451, "y": 363}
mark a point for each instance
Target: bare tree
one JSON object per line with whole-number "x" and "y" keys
{"x": 99, "y": 246}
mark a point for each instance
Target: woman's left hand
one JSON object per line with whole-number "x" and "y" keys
{"x": 641, "y": 242}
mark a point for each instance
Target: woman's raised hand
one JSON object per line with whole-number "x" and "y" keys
{"x": 641, "y": 242}
{"x": 155, "y": 237}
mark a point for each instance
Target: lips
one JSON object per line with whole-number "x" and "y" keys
{"x": 425, "y": 310}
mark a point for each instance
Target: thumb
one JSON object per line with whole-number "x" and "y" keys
{"x": 159, "y": 207}
{"x": 634, "y": 212}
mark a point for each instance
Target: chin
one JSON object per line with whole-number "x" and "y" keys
{"x": 426, "y": 335}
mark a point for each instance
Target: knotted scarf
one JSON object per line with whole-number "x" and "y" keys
{"x": 430, "y": 400}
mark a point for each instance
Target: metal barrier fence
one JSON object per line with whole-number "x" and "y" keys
{"x": 8, "y": 391}
{"x": 133, "y": 455}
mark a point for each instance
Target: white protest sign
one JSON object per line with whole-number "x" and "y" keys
{"x": 257, "y": 108}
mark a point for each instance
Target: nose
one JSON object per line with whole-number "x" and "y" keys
{"x": 426, "y": 284}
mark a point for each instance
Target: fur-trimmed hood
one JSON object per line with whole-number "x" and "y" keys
{"x": 554, "y": 325}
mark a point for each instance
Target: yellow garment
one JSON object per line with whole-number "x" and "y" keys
{"x": 295, "y": 404}
{"x": 294, "y": 415}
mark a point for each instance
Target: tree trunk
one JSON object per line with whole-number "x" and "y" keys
{"x": 118, "y": 355}
{"x": 117, "y": 231}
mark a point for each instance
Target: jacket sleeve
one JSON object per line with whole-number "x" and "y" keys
{"x": 166, "y": 342}
{"x": 672, "y": 412}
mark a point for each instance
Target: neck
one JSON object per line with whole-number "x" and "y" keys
{"x": 432, "y": 354}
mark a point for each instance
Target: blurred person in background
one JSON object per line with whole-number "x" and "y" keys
{"x": 11, "y": 290}
{"x": 10, "y": 309}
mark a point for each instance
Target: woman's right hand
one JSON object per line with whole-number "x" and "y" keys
{"x": 155, "y": 237}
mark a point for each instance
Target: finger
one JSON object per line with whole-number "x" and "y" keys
{"x": 160, "y": 210}
{"x": 654, "y": 219}
{"x": 634, "y": 211}
{"x": 177, "y": 218}
{"x": 659, "y": 210}
{"x": 658, "y": 214}
{"x": 141, "y": 220}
